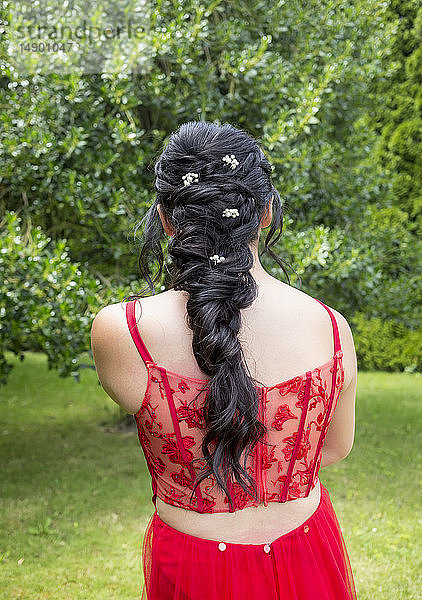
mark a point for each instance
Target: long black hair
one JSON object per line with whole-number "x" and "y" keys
{"x": 216, "y": 291}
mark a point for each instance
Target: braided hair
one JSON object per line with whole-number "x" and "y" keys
{"x": 216, "y": 292}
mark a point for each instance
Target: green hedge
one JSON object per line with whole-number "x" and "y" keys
{"x": 77, "y": 150}
{"x": 47, "y": 301}
{"x": 386, "y": 345}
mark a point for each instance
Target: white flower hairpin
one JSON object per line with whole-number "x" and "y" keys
{"x": 189, "y": 178}
{"x": 230, "y": 212}
{"x": 217, "y": 259}
{"x": 231, "y": 160}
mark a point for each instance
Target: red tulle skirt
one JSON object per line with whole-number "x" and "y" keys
{"x": 308, "y": 563}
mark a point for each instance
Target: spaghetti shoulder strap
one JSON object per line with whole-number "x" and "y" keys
{"x": 134, "y": 332}
{"x": 337, "y": 344}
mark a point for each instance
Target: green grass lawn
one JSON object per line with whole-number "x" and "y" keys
{"x": 76, "y": 493}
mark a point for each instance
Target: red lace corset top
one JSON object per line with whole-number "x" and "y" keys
{"x": 296, "y": 412}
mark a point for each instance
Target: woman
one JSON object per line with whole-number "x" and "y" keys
{"x": 233, "y": 437}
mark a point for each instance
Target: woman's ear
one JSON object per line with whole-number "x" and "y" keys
{"x": 268, "y": 217}
{"x": 167, "y": 227}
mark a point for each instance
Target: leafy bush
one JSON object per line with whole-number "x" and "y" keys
{"x": 47, "y": 301}
{"x": 386, "y": 345}
{"x": 77, "y": 149}
{"x": 397, "y": 115}
{"x": 320, "y": 85}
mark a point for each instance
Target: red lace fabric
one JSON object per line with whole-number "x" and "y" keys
{"x": 297, "y": 413}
